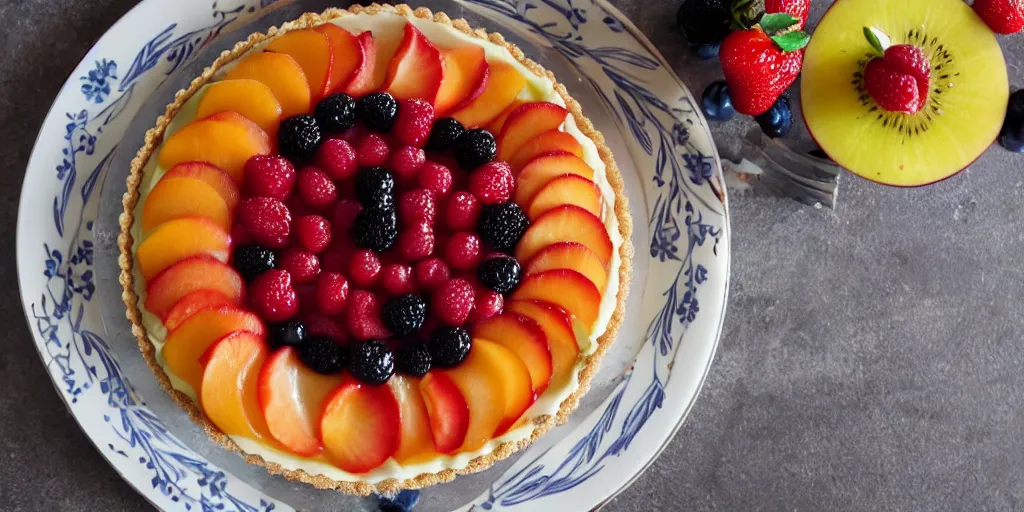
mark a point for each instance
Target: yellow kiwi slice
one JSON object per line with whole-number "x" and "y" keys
{"x": 965, "y": 107}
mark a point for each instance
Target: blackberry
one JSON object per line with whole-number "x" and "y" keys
{"x": 475, "y": 148}
{"x": 299, "y": 137}
{"x": 375, "y": 229}
{"x": 404, "y": 314}
{"x": 500, "y": 273}
{"x": 290, "y": 333}
{"x": 413, "y": 359}
{"x": 449, "y": 346}
{"x": 253, "y": 260}
{"x": 502, "y": 225}
{"x": 705, "y": 21}
{"x": 377, "y": 111}
{"x": 371, "y": 362}
{"x": 445, "y": 134}
{"x": 322, "y": 355}
{"x": 375, "y": 188}
{"x": 336, "y": 113}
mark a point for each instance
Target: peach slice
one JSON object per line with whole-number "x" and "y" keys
{"x": 512, "y": 372}
{"x": 546, "y": 143}
{"x": 503, "y": 85}
{"x": 282, "y": 74}
{"x": 566, "y": 223}
{"x": 363, "y": 79}
{"x": 526, "y": 122}
{"x": 526, "y": 340}
{"x": 229, "y": 394}
{"x": 292, "y": 397}
{"x": 447, "y": 410}
{"x": 187, "y": 276}
{"x": 499, "y": 122}
{"x": 178, "y": 239}
{"x": 465, "y": 78}
{"x": 185, "y": 346}
{"x": 347, "y": 54}
{"x": 315, "y": 55}
{"x": 569, "y": 189}
{"x": 361, "y": 425}
{"x": 194, "y": 303}
{"x": 212, "y": 176}
{"x": 479, "y": 379}
{"x": 573, "y": 256}
{"x": 416, "y": 442}
{"x": 557, "y": 326}
{"x": 253, "y": 99}
{"x": 416, "y": 69}
{"x": 542, "y": 170}
{"x": 225, "y": 139}
{"x": 179, "y": 198}
{"x": 565, "y": 288}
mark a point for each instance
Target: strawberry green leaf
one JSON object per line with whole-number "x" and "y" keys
{"x": 775, "y": 23}
{"x": 744, "y": 14}
{"x": 791, "y": 41}
{"x": 878, "y": 39}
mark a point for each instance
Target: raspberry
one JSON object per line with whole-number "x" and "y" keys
{"x": 319, "y": 324}
{"x": 267, "y": 220}
{"x": 240, "y": 235}
{"x": 436, "y": 178}
{"x": 453, "y": 302}
{"x": 416, "y": 242}
{"x": 313, "y": 232}
{"x": 431, "y": 273}
{"x": 417, "y": 206}
{"x": 364, "y": 268}
{"x": 331, "y": 293}
{"x": 273, "y": 296}
{"x": 269, "y": 176}
{"x": 362, "y": 317}
{"x": 337, "y": 257}
{"x": 302, "y": 265}
{"x": 462, "y": 252}
{"x": 415, "y": 117}
{"x": 344, "y": 214}
{"x": 372, "y": 151}
{"x": 316, "y": 188}
{"x": 493, "y": 183}
{"x": 488, "y": 303}
{"x": 396, "y": 279}
{"x": 337, "y": 158}
{"x": 406, "y": 161}
{"x": 462, "y": 211}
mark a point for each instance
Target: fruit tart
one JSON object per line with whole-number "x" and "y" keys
{"x": 374, "y": 249}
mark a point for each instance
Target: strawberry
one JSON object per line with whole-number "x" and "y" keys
{"x": 761, "y": 63}
{"x": 799, "y": 8}
{"x": 1002, "y": 16}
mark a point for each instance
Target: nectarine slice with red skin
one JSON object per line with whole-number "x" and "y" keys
{"x": 363, "y": 79}
{"x": 447, "y": 411}
{"x": 525, "y": 339}
{"x": 315, "y": 55}
{"x": 194, "y": 303}
{"x": 250, "y": 98}
{"x": 360, "y": 427}
{"x": 565, "y": 288}
{"x": 498, "y": 123}
{"x": 547, "y": 143}
{"x": 416, "y": 442}
{"x": 504, "y": 82}
{"x": 542, "y": 170}
{"x": 282, "y": 74}
{"x": 416, "y": 70}
{"x": 178, "y": 239}
{"x": 187, "y": 276}
{"x": 212, "y": 176}
{"x": 566, "y": 223}
{"x": 465, "y": 78}
{"x": 346, "y": 52}
{"x": 573, "y": 256}
{"x": 184, "y": 347}
{"x": 225, "y": 139}
{"x": 292, "y": 398}
{"x": 526, "y": 122}
{"x": 478, "y": 378}
{"x": 569, "y": 189}
{"x": 230, "y": 394}
{"x": 557, "y": 326}
{"x": 515, "y": 378}
{"x": 179, "y": 198}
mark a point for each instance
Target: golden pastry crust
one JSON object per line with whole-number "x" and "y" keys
{"x": 541, "y": 424}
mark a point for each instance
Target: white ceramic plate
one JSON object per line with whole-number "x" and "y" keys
{"x": 67, "y": 272}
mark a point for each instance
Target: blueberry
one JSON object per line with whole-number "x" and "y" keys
{"x": 778, "y": 120}
{"x": 705, "y": 21}
{"x": 708, "y": 51}
{"x": 717, "y": 103}
{"x": 1012, "y": 135}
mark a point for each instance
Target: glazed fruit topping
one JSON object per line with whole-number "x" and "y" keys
{"x": 375, "y": 188}
{"x": 267, "y": 220}
{"x": 269, "y": 176}
{"x": 273, "y": 296}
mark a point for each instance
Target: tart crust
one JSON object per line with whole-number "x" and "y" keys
{"x": 541, "y": 424}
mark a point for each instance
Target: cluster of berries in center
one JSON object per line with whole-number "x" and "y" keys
{"x": 377, "y": 235}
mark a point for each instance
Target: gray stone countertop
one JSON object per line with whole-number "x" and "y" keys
{"x": 872, "y": 358}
